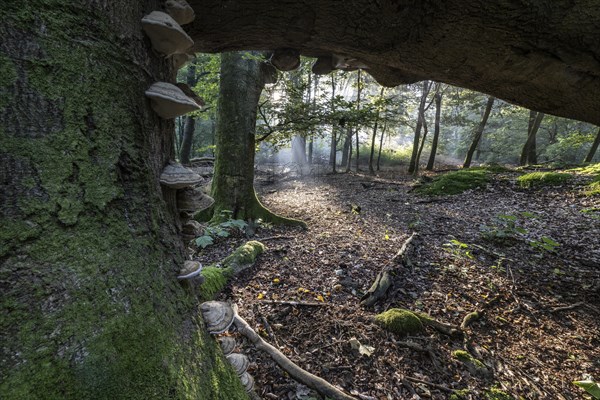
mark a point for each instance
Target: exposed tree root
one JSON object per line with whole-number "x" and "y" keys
{"x": 320, "y": 385}
{"x": 385, "y": 278}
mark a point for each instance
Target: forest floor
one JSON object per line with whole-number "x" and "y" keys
{"x": 541, "y": 326}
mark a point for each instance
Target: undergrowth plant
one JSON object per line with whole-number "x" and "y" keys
{"x": 508, "y": 228}
{"x": 221, "y": 230}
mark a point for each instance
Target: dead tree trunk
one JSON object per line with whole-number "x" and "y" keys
{"x": 479, "y": 132}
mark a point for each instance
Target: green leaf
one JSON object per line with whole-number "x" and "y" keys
{"x": 520, "y": 230}
{"x": 549, "y": 241}
{"x": 589, "y": 386}
{"x": 507, "y": 217}
{"x": 223, "y": 233}
{"x": 204, "y": 241}
{"x": 527, "y": 214}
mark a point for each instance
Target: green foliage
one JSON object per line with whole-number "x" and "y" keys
{"x": 455, "y": 182}
{"x": 537, "y": 179}
{"x": 508, "y": 228}
{"x": 399, "y": 321}
{"x": 221, "y": 230}
{"x": 458, "y": 248}
{"x": 570, "y": 148}
{"x": 593, "y": 189}
{"x": 593, "y": 388}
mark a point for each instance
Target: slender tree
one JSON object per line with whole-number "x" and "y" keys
{"x": 333, "y": 148}
{"x": 436, "y": 130}
{"x": 479, "y": 131}
{"x": 377, "y": 113}
{"x": 412, "y": 167}
{"x": 381, "y": 143}
{"x": 359, "y": 90}
{"x": 190, "y": 123}
{"x": 529, "y": 151}
{"x": 592, "y": 152}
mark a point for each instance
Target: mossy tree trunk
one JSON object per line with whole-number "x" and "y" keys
{"x": 91, "y": 308}
{"x": 479, "y": 132}
{"x": 241, "y": 84}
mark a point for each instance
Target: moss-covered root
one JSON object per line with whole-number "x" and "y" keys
{"x": 399, "y": 321}
{"x": 215, "y": 278}
{"x": 474, "y": 366}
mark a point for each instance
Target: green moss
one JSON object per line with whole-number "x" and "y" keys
{"x": 215, "y": 279}
{"x": 593, "y": 189}
{"x": 8, "y": 76}
{"x": 590, "y": 169}
{"x": 399, "y": 321}
{"x": 93, "y": 309}
{"x": 497, "y": 394}
{"x": 455, "y": 182}
{"x": 461, "y": 394}
{"x": 536, "y": 179}
{"x": 244, "y": 256}
{"x": 465, "y": 357}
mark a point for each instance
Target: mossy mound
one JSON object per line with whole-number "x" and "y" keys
{"x": 590, "y": 169}
{"x": 456, "y": 182}
{"x": 537, "y": 179}
{"x": 474, "y": 366}
{"x": 593, "y": 189}
{"x": 497, "y": 394}
{"x": 399, "y": 321}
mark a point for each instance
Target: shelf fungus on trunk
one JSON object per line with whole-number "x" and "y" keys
{"x": 176, "y": 176}
{"x": 169, "y": 101}
{"x": 347, "y": 63}
{"x": 166, "y": 35}
{"x": 227, "y": 344}
{"x": 247, "y": 381}
{"x": 191, "y": 201}
{"x": 191, "y": 94}
{"x": 286, "y": 59}
{"x": 190, "y": 275}
{"x": 218, "y": 316}
{"x": 239, "y": 362}
{"x": 180, "y": 11}
{"x": 180, "y": 59}
{"x": 190, "y": 230}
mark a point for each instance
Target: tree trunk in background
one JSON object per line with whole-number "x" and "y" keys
{"x": 529, "y": 151}
{"x": 309, "y": 156}
{"x": 381, "y": 143}
{"x": 333, "y": 148}
{"x": 190, "y": 123}
{"x": 372, "y": 155}
{"x": 298, "y": 150}
{"x": 346, "y": 150}
{"x": 349, "y": 156}
{"x": 479, "y": 132}
{"x": 91, "y": 307}
{"x": 359, "y": 83}
{"x": 417, "y": 138}
{"x": 418, "y": 159}
{"x": 436, "y": 131}
{"x": 241, "y": 84}
{"x": 592, "y": 152}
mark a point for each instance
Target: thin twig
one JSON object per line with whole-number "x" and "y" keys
{"x": 296, "y": 303}
{"x": 434, "y": 385}
{"x": 565, "y": 308}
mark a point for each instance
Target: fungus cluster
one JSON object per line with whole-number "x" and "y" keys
{"x": 219, "y": 317}
{"x": 170, "y": 40}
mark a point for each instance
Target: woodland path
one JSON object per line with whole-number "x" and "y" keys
{"x": 534, "y": 349}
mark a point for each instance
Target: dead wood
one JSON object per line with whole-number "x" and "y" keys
{"x": 314, "y": 382}
{"x": 433, "y": 385}
{"x": 385, "y": 277}
{"x": 442, "y": 327}
{"x": 566, "y": 308}
{"x": 296, "y": 303}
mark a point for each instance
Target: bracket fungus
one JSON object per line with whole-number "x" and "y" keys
{"x": 193, "y": 200}
{"x": 191, "y": 270}
{"x": 181, "y": 11}
{"x": 227, "y": 344}
{"x": 169, "y": 101}
{"x": 176, "y": 176}
{"x": 286, "y": 59}
{"x": 180, "y": 59}
{"x": 218, "y": 316}
{"x": 239, "y": 362}
{"x": 166, "y": 35}
{"x": 347, "y": 63}
{"x": 247, "y": 381}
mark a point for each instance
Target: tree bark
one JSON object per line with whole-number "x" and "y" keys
{"x": 436, "y": 131}
{"x": 592, "y": 152}
{"x": 479, "y": 132}
{"x": 89, "y": 252}
{"x": 412, "y": 167}
{"x": 233, "y": 181}
{"x": 540, "y": 54}
{"x": 333, "y": 149}
{"x": 347, "y": 149}
{"x": 359, "y": 84}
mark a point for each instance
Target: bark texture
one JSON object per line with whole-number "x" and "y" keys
{"x": 436, "y": 131}
{"x": 540, "y": 54}
{"x": 233, "y": 182}
{"x": 91, "y": 308}
{"x": 479, "y": 132}
{"x": 590, "y": 155}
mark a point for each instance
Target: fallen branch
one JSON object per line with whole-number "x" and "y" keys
{"x": 433, "y": 385}
{"x": 442, "y": 327}
{"x": 385, "y": 278}
{"x": 565, "y": 308}
{"x": 276, "y": 238}
{"x": 296, "y": 303}
{"x": 319, "y": 384}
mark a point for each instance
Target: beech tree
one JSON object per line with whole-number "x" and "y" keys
{"x": 479, "y": 132}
